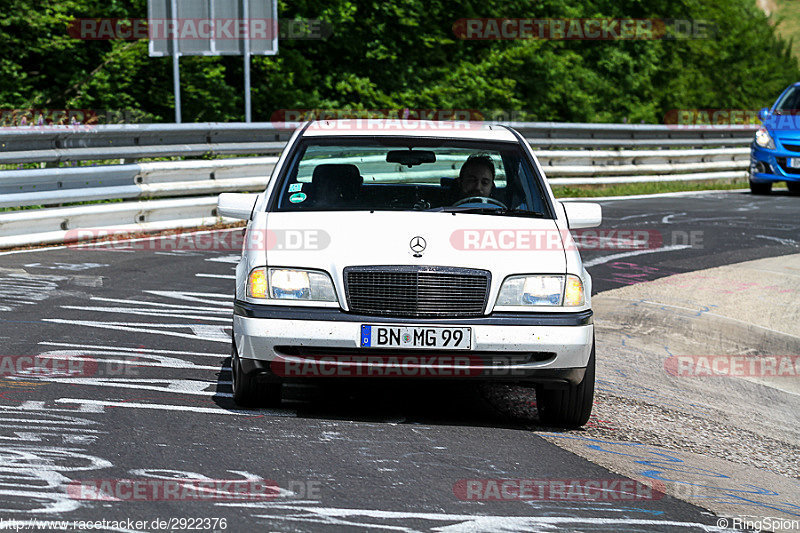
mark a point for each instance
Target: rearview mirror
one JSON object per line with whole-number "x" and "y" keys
{"x": 763, "y": 114}
{"x": 236, "y": 205}
{"x": 411, "y": 158}
{"x": 583, "y": 214}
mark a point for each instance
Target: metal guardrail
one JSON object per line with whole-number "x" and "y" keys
{"x": 59, "y": 144}
{"x": 571, "y": 154}
{"x": 82, "y": 184}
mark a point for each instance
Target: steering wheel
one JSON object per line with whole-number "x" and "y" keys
{"x": 480, "y": 200}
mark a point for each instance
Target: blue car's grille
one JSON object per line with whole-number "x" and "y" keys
{"x": 792, "y": 147}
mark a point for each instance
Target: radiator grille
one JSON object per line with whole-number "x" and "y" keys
{"x": 416, "y": 292}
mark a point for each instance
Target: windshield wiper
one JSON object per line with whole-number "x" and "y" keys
{"x": 494, "y": 211}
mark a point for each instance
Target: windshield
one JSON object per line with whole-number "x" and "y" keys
{"x": 790, "y": 103}
{"x": 411, "y": 174}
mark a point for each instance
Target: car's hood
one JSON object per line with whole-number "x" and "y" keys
{"x": 331, "y": 241}
{"x": 784, "y": 128}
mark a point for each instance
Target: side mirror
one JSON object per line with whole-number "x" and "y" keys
{"x": 583, "y": 214}
{"x": 763, "y": 114}
{"x": 236, "y": 205}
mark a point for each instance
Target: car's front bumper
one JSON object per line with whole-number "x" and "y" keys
{"x": 768, "y": 166}
{"x": 549, "y": 348}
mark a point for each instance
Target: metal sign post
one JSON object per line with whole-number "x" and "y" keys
{"x": 246, "y": 17}
{"x": 176, "y": 65}
{"x": 211, "y": 28}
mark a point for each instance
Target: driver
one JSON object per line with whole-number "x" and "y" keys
{"x": 476, "y": 177}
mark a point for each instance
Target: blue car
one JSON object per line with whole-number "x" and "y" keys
{"x": 775, "y": 152}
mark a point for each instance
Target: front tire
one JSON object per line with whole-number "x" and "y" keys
{"x": 248, "y": 391}
{"x": 569, "y": 407}
{"x": 760, "y": 188}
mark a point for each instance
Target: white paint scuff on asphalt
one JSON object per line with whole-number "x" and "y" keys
{"x": 614, "y": 257}
{"x": 203, "y": 332}
{"x": 101, "y": 404}
{"x": 35, "y": 466}
{"x": 137, "y": 350}
{"x": 177, "y": 386}
{"x": 458, "y": 523}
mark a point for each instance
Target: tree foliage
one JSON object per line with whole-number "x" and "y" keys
{"x": 405, "y": 54}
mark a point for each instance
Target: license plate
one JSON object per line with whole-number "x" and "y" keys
{"x": 793, "y": 162}
{"x": 415, "y": 337}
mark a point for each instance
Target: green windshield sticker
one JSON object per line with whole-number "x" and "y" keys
{"x": 297, "y": 198}
{"x": 295, "y": 187}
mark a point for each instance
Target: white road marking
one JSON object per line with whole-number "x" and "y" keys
{"x": 201, "y": 332}
{"x": 638, "y": 216}
{"x": 188, "y": 408}
{"x": 180, "y": 253}
{"x": 208, "y": 298}
{"x": 219, "y": 276}
{"x": 149, "y": 312}
{"x": 159, "y": 361}
{"x": 72, "y": 267}
{"x": 33, "y": 472}
{"x": 31, "y": 405}
{"x": 179, "y": 307}
{"x": 666, "y": 219}
{"x": 177, "y": 386}
{"x": 20, "y": 288}
{"x": 136, "y": 350}
{"x": 233, "y": 259}
{"x": 788, "y": 242}
{"x": 364, "y": 518}
{"x": 607, "y": 258}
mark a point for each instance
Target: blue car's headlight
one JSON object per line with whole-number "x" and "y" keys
{"x": 764, "y": 139}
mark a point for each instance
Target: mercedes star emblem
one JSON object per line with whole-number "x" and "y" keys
{"x": 418, "y": 245}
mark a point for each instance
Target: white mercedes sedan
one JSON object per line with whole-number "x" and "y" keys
{"x": 423, "y": 250}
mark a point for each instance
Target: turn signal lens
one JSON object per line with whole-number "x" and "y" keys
{"x": 257, "y": 285}
{"x": 573, "y": 292}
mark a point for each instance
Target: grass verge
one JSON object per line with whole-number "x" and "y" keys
{"x": 628, "y": 189}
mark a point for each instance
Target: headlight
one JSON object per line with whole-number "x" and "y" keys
{"x": 289, "y": 284}
{"x": 523, "y": 291}
{"x": 764, "y": 140}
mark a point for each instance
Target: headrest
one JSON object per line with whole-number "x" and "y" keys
{"x": 342, "y": 176}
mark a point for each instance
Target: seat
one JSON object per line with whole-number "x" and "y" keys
{"x": 335, "y": 185}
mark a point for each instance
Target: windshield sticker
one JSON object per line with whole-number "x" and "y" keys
{"x": 295, "y": 187}
{"x": 297, "y": 198}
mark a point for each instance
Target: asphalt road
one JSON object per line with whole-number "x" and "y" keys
{"x": 687, "y": 233}
{"x": 151, "y": 401}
